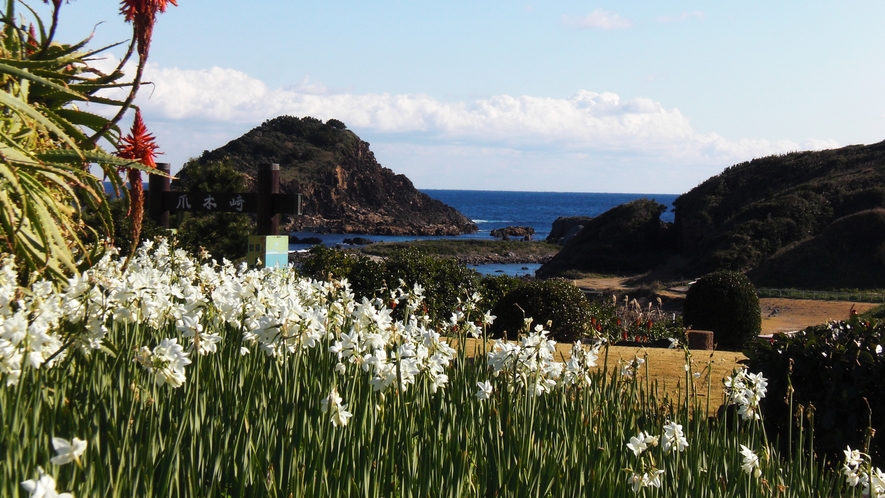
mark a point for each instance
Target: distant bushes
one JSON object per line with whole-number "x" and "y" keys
{"x": 570, "y": 314}
{"x": 556, "y": 301}
{"x": 493, "y": 288}
{"x": 444, "y": 280}
{"x": 726, "y": 303}
{"x": 364, "y": 275}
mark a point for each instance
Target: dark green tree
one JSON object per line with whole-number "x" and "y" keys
{"x": 223, "y": 235}
{"x": 556, "y": 301}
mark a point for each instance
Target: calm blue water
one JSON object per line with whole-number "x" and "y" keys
{"x": 491, "y": 209}
{"x": 497, "y": 209}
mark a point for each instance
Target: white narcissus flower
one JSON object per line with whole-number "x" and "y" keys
{"x": 635, "y": 481}
{"x": 332, "y": 405}
{"x": 484, "y": 391}
{"x": 640, "y": 443}
{"x": 674, "y": 437}
{"x": 43, "y": 487}
{"x": 638, "y": 481}
{"x": 853, "y": 458}
{"x": 746, "y": 390}
{"x": 67, "y": 451}
{"x": 750, "y": 465}
{"x": 851, "y": 471}
{"x": 875, "y": 486}
{"x": 654, "y": 479}
{"x": 166, "y": 361}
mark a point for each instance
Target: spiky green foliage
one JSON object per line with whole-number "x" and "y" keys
{"x": 46, "y": 146}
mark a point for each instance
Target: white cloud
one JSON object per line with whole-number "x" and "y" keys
{"x": 598, "y": 19}
{"x": 685, "y": 16}
{"x": 197, "y": 109}
{"x": 818, "y": 144}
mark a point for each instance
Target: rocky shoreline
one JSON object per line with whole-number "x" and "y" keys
{"x": 502, "y": 259}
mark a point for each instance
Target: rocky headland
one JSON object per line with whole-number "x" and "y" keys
{"x": 344, "y": 189}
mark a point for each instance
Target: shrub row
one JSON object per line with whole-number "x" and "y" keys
{"x": 834, "y": 371}
{"x": 445, "y": 280}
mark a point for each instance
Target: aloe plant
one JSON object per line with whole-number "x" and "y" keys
{"x": 48, "y": 142}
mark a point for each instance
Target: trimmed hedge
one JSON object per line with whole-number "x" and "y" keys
{"x": 556, "y": 301}
{"x": 726, "y": 303}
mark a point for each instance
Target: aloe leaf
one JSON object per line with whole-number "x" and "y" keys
{"x": 72, "y": 131}
{"x": 83, "y": 118}
{"x": 32, "y": 113}
{"x": 40, "y": 25}
{"x": 21, "y": 73}
{"x": 91, "y": 156}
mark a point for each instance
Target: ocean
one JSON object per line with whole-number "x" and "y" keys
{"x": 491, "y": 209}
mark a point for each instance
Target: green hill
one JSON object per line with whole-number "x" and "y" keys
{"x": 749, "y": 212}
{"x": 810, "y": 219}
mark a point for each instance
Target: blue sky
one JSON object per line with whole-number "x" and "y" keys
{"x": 630, "y": 96}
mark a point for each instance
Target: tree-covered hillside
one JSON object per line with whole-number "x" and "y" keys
{"x": 805, "y": 219}
{"x": 749, "y": 212}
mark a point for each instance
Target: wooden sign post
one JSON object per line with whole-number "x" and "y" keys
{"x": 267, "y": 204}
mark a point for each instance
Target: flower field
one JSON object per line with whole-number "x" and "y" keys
{"x": 179, "y": 377}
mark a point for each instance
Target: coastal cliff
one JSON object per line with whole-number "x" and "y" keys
{"x": 344, "y": 189}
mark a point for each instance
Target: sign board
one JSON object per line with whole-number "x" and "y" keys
{"x": 223, "y": 202}
{"x": 268, "y": 204}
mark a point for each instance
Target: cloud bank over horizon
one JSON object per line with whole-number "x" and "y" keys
{"x": 580, "y": 129}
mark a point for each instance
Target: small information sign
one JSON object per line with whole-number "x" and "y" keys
{"x": 271, "y": 250}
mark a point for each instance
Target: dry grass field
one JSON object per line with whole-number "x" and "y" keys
{"x": 778, "y": 314}
{"x": 666, "y": 367}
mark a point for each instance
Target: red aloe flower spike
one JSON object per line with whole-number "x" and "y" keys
{"x": 139, "y": 146}
{"x": 131, "y": 8}
{"x": 32, "y": 40}
{"x": 143, "y": 14}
